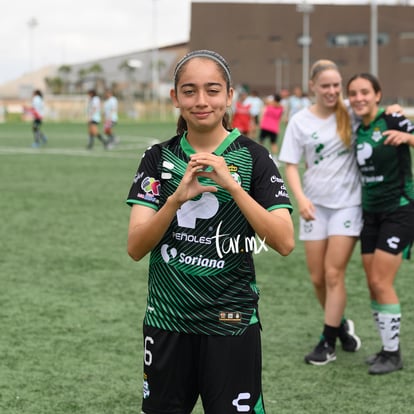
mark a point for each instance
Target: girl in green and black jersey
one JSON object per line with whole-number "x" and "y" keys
{"x": 198, "y": 200}
{"x": 384, "y": 160}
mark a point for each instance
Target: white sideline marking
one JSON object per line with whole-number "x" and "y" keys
{"x": 117, "y": 152}
{"x": 66, "y": 151}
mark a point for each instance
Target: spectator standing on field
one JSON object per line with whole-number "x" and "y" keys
{"x": 207, "y": 184}
{"x": 284, "y": 96}
{"x": 270, "y": 123}
{"x": 111, "y": 117}
{"x": 256, "y": 107}
{"x": 94, "y": 119}
{"x": 384, "y": 160}
{"x": 296, "y": 102}
{"x": 242, "y": 118}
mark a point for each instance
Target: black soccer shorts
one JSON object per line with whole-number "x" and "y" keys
{"x": 391, "y": 232}
{"x": 225, "y": 371}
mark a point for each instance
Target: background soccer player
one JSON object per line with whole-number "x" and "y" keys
{"x": 384, "y": 161}
{"x": 329, "y": 201}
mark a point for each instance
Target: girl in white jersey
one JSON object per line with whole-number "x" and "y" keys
{"x": 329, "y": 201}
{"x": 111, "y": 117}
{"x": 94, "y": 119}
{"x": 37, "y": 112}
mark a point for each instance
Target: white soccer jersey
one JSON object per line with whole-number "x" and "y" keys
{"x": 94, "y": 109}
{"x": 37, "y": 104}
{"x": 331, "y": 178}
{"x": 111, "y": 109}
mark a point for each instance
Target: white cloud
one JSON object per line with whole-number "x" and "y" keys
{"x": 72, "y": 31}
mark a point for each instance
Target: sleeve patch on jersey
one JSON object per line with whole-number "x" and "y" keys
{"x": 151, "y": 186}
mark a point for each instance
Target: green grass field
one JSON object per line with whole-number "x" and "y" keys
{"x": 72, "y": 301}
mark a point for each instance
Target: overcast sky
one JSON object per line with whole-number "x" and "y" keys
{"x": 38, "y": 33}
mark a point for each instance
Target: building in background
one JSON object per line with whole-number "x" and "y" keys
{"x": 263, "y": 42}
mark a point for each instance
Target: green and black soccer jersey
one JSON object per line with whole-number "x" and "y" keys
{"x": 386, "y": 174}
{"x": 201, "y": 274}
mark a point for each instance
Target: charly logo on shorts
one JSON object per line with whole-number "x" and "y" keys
{"x": 308, "y": 226}
{"x": 393, "y": 242}
{"x": 347, "y": 224}
{"x": 237, "y": 402}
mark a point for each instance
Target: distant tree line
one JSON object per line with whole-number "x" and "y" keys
{"x": 64, "y": 83}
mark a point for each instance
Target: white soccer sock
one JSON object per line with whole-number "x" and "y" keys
{"x": 389, "y": 326}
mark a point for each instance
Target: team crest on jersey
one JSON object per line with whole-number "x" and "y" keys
{"x": 376, "y": 135}
{"x": 237, "y": 178}
{"x": 234, "y": 173}
{"x": 145, "y": 387}
{"x": 233, "y": 168}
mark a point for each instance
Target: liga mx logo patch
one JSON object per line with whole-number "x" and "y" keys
{"x": 151, "y": 186}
